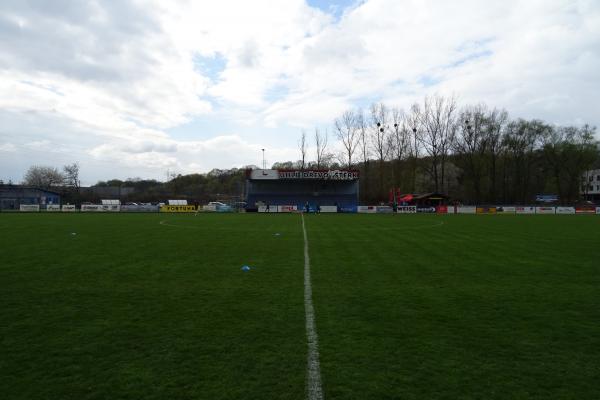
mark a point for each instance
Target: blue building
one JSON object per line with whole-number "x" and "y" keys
{"x": 12, "y": 196}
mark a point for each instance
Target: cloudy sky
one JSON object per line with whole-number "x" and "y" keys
{"x": 139, "y": 88}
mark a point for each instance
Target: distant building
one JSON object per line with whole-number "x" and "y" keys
{"x": 12, "y": 196}
{"x": 590, "y": 185}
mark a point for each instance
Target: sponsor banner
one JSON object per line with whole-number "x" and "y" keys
{"x": 336, "y": 175}
{"x": 486, "y": 210}
{"x": 545, "y": 210}
{"x": 287, "y": 209}
{"x": 68, "y": 208}
{"x": 451, "y": 209}
{"x": 441, "y": 209}
{"x": 597, "y": 210}
{"x": 100, "y": 208}
{"x": 29, "y": 207}
{"x": 348, "y": 209}
{"x": 139, "y": 208}
{"x": 585, "y": 210}
{"x": 565, "y": 210}
{"x": 466, "y": 210}
{"x": 384, "y": 210}
{"x": 52, "y": 207}
{"x": 367, "y": 209}
{"x": 426, "y": 210}
{"x": 329, "y": 209}
{"x": 268, "y": 209}
{"x": 525, "y": 210}
{"x": 407, "y": 210}
{"x": 178, "y": 209}
{"x": 506, "y": 210}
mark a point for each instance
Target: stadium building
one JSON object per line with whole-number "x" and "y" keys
{"x": 13, "y": 196}
{"x": 270, "y": 187}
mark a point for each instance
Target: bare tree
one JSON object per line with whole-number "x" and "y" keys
{"x": 303, "y": 145}
{"x": 364, "y": 146}
{"x": 400, "y": 143}
{"x": 412, "y": 121}
{"x": 71, "y": 175}
{"x": 496, "y": 124}
{"x": 346, "y": 132}
{"x": 470, "y": 146}
{"x": 438, "y": 127}
{"x": 323, "y": 157}
{"x": 43, "y": 177}
{"x": 380, "y": 133}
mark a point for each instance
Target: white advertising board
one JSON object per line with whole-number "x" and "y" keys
{"x": 271, "y": 209}
{"x": 565, "y": 210}
{"x": 68, "y": 208}
{"x": 466, "y": 210}
{"x": 506, "y": 210}
{"x": 366, "y": 209}
{"x": 545, "y": 210}
{"x": 287, "y": 208}
{"x": 407, "y": 210}
{"x": 525, "y": 210}
{"x": 597, "y": 210}
{"x": 29, "y": 207}
{"x": 329, "y": 209}
{"x": 52, "y": 207}
{"x": 100, "y": 208}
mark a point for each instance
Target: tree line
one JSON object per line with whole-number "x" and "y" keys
{"x": 473, "y": 153}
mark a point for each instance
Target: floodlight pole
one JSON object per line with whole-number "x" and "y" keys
{"x": 264, "y": 164}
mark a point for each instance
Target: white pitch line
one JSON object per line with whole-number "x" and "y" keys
{"x": 313, "y": 370}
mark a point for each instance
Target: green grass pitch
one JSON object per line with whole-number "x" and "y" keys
{"x": 407, "y": 306}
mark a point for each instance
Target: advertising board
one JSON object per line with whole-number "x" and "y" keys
{"x": 585, "y": 210}
{"x": 441, "y": 209}
{"x": 287, "y": 208}
{"x": 486, "y": 210}
{"x": 565, "y": 210}
{"x": 68, "y": 208}
{"x": 466, "y": 210}
{"x": 53, "y": 207}
{"x": 29, "y": 207}
{"x": 505, "y": 210}
{"x": 329, "y": 209}
{"x": 545, "y": 210}
{"x": 367, "y": 209}
{"x": 139, "y": 208}
{"x": 429, "y": 210}
{"x": 178, "y": 209}
{"x": 525, "y": 210}
{"x": 407, "y": 210}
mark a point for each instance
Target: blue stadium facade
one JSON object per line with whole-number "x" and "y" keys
{"x": 298, "y": 187}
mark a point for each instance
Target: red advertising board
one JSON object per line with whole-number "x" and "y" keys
{"x": 585, "y": 210}
{"x": 441, "y": 209}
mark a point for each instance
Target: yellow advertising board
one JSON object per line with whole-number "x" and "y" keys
{"x": 486, "y": 210}
{"x": 179, "y": 209}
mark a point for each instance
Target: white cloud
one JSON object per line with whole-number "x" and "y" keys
{"x": 8, "y": 147}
